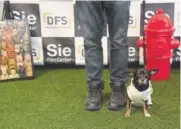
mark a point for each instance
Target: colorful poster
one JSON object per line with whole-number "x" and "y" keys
{"x": 15, "y": 51}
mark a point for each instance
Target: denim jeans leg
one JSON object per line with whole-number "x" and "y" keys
{"x": 117, "y": 13}
{"x": 90, "y": 14}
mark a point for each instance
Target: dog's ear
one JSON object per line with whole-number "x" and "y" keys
{"x": 153, "y": 71}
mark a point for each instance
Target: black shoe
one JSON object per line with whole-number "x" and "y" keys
{"x": 94, "y": 99}
{"x": 117, "y": 99}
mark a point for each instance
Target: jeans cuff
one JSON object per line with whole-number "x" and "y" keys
{"x": 117, "y": 83}
{"x": 96, "y": 84}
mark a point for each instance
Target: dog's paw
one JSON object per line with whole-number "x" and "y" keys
{"x": 127, "y": 114}
{"x": 147, "y": 115}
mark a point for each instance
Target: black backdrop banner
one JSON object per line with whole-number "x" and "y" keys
{"x": 56, "y": 35}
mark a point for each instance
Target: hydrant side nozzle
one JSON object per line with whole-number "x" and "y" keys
{"x": 175, "y": 43}
{"x": 140, "y": 42}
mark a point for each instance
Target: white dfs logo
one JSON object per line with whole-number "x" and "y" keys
{"x": 56, "y": 21}
{"x": 32, "y": 19}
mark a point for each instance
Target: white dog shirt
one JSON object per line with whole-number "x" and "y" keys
{"x": 137, "y": 96}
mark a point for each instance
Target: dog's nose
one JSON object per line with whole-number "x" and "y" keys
{"x": 142, "y": 80}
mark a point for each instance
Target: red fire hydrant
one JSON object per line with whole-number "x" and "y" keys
{"x": 159, "y": 41}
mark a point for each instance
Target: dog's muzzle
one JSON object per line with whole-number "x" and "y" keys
{"x": 142, "y": 81}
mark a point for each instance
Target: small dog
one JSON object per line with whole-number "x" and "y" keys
{"x": 140, "y": 90}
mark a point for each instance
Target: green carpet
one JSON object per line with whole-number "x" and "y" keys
{"x": 55, "y": 100}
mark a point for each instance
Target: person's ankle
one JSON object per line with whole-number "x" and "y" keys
{"x": 117, "y": 98}
{"x": 95, "y": 97}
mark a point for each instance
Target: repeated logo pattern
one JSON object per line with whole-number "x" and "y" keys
{"x": 30, "y": 12}
{"x": 59, "y": 50}
{"x": 57, "y": 36}
{"x": 57, "y": 19}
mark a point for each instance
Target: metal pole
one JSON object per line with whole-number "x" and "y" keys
{"x": 143, "y": 21}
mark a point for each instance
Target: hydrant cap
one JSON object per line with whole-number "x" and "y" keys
{"x": 160, "y": 11}
{"x": 160, "y": 22}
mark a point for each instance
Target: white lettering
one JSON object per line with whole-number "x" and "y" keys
{"x": 132, "y": 51}
{"x": 51, "y": 50}
{"x": 22, "y": 15}
{"x": 57, "y": 50}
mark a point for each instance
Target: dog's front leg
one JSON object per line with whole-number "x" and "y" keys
{"x": 145, "y": 108}
{"x": 128, "y": 108}
{"x": 149, "y": 102}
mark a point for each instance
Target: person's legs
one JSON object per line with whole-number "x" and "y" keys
{"x": 117, "y": 13}
{"x": 90, "y": 14}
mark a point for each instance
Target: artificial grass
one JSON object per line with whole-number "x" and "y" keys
{"x": 54, "y": 100}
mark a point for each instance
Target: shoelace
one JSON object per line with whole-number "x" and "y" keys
{"x": 116, "y": 94}
{"x": 92, "y": 95}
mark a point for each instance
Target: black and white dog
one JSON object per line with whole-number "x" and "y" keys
{"x": 140, "y": 90}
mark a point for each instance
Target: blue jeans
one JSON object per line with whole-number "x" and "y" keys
{"x": 91, "y": 17}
